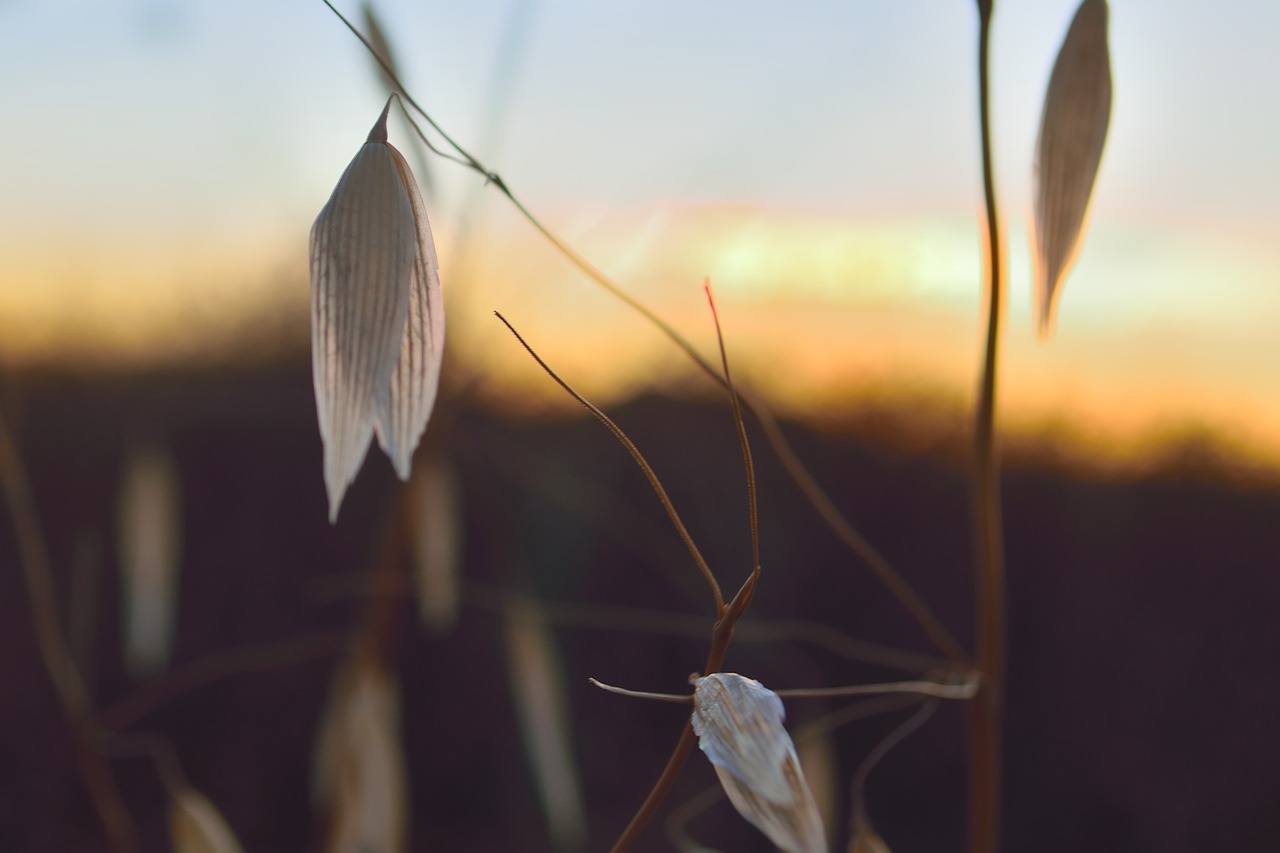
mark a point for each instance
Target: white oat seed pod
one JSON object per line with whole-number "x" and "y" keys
{"x": 1073, "y": 131}
{"x": 738, "y": 722}
{"x": 196, "y": 826}
{"x": 377, "y": 314}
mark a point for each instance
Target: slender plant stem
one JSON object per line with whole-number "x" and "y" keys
{"x": 662, "y": 622}
{"x": 753, "y": 514}
{"x": 915, "y": 606}
{"x": 649, "y": 473}
{"x": 720, "y": 638}
{"x": 937, "y": 689}
{"x": 58, "y": 661}
{"x": 236, "y": 660}
{"x": 986, "y": 711}
{"x": 861, "y": 820}
{"x": 899, "y": 588}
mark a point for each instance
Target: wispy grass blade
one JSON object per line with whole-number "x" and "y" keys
{"x": 864, "y": 838}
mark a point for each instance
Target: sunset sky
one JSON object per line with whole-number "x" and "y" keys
{"x": 162, "y": 160}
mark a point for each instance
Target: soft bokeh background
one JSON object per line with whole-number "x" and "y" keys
{"x": 160, "y": 165}
{"x": 163, "y": 161}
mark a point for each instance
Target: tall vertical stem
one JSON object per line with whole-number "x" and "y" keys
{"x": 986, "y": 710}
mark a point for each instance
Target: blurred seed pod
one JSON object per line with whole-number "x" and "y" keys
{"x": 537, "y": 685}
{"x": 196, "y": 826}
{"x": 822, "y": 773}
{"x": 377, "y": 315}
{"x": 435, "y": 535}
{"x": 866, "y": 839}
{"x": 1073, "y": 131}
{"x": 149, "y": 541}
{"x": 360, "y": 778}
{"x": 738, "y": 722}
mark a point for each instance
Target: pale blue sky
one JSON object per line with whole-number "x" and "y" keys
{"x": 157, "y": 106}
{"x": 165, "y": 116}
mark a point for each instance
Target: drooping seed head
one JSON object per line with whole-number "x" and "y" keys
{"x": 377, "y": 314}
{"x": 738, "y": 722}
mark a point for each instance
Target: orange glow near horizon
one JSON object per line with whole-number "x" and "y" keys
{"x": 822, "y": 313}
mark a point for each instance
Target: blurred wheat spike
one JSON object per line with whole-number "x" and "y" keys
{"x": 738, "y": 722}
{"x": 196, "y": 826}
{"x": 1073, "y": 131}
{"x": 360, "y": 776}
{"x": 436, "y": 539}
{"x": 149, "y": 535}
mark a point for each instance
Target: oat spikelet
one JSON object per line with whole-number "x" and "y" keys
{"x": 149, "y": 534}
{"x": 377, "y": 315}
{"x": 403, "y": 414}
{"x": 1073, "y": 130}
{"x": 196, "y": 826}
{"x": 359, "y": 773}
{"x": 738, "y": 722}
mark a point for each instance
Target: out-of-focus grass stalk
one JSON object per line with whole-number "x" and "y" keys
{"x": 149, "y": 533}
{"x": 537, "y": 686}
{"x": 55, "y": 652}
{"x": 864, "y": 838}
{"x": 986, "y": 709}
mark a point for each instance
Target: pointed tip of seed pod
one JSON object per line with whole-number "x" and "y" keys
{"x": 1044, "y": 323}
{"x": 379, "y": 132}
{"x": 335, "y": 488}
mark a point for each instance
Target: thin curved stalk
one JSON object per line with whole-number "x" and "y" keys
{"x": 720, "y": 638}
{"x": 236, "y": 660}
{"x": 985, "y": 712}
{"x": 753, "y": 511}
{"x": 626, "y": 442}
